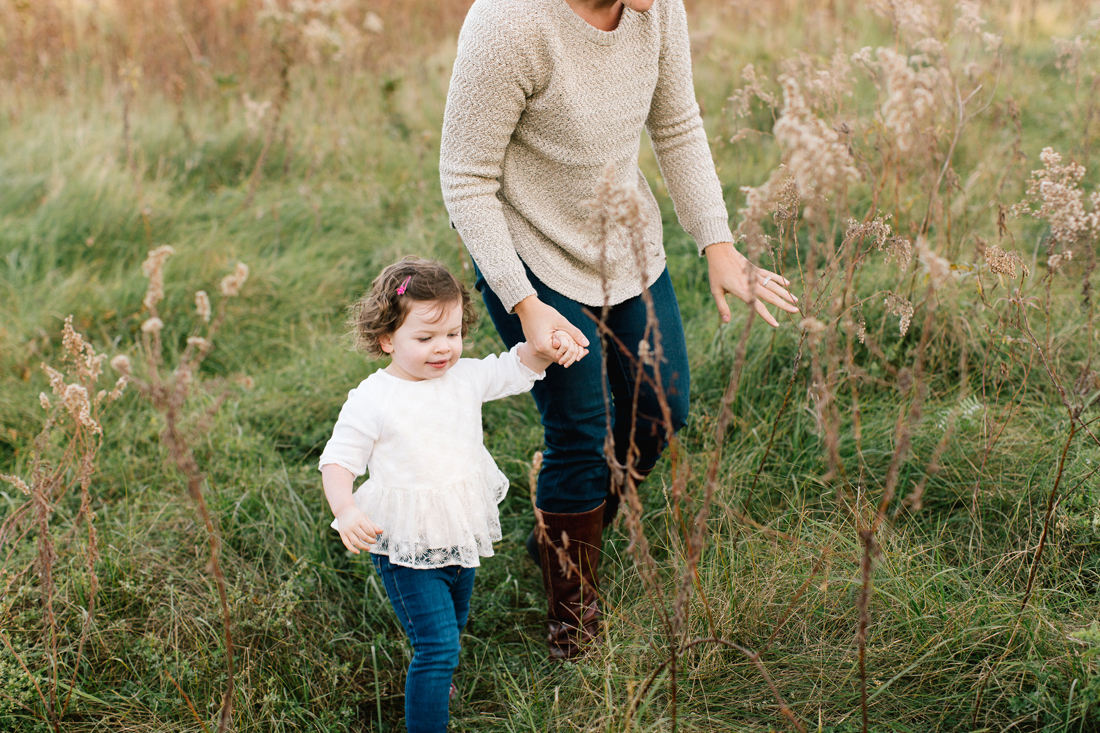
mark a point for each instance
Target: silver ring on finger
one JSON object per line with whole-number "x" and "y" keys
{"x": 767, "y": 280}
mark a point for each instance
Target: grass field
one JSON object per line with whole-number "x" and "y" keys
{"x": 902, "y": 531}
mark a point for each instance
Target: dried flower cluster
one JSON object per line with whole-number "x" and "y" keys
{"x": 16, "y": 482}
{"x": 202, "y": 305}
{"x": 786, "y": 202}
{"x": 969, "y": 22}
{"x": 231, "y": 283}
{"x": 911, "y": 99}
{"x": 1004, "y": 263}
{"x": 618, "y": 218}
{"x": 153, "y": 268}
{"x": 780, "y": 191}
{"x": 969, "y": 19}
{"x": 152, "y": 325}
{"x": 1069, "y": 52}
{"x": 812, "y": 151}
{"x": 882, "y": 238}
{"x": 910, "y": 17}
{"x": 741, "y": 101}
{"x": 1060, "y": 203}
{"x": 254, "y": 113}
{"x": 896, "y": 305}
{"x": 823, "y": 85}
{"x": 938, "y": 269}
{"x": 320, "y": 28}
{"x": 1055, "y": 261}
{"x": 86, "y": 367}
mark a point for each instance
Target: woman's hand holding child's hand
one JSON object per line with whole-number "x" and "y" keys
{"x": 566, "y": 350}
{"x": 356, "y": 529}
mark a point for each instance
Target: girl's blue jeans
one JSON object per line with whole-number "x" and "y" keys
{"x": 575, "y": 473}
{"x": 432, "y": 605}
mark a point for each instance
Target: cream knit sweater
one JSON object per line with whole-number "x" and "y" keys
{"x": 540, "y": 102}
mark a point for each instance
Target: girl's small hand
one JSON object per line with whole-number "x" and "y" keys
{"x": 356, "y": 529}
{"x": 566, "y": 350}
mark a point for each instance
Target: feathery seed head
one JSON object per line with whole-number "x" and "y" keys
{"x": 57, "y": 379}
{"x": 939, "y": 269}
{"x": 153, "y": 268}
{"x": 75, "y": 399}
{"x": 231, "y": 284}
{"x": 202, "y": 305}
{"x": 969, "y": 19}
{"x": 372, "y": 23}
{"x": 1055, "y": 261}
{"x": 16, "y": 482}
{"x": 812, "y": 150}
{"x": 896, "y": 305}
{"x": 1060, "y": 202}
{"x": 1004, "y": 263}
{"x": 121, "y": 364}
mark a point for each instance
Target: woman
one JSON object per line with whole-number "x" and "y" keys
{"x": 544, "y": 95}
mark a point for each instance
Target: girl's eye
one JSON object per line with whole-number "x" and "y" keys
{"x": 424, "y": 339}
{"x": 452, "y": 335}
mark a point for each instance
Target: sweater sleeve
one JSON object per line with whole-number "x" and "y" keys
{"x": 679, "y": 139}
{"x": 354, "y": 434}
{"x": 487, "y": 95}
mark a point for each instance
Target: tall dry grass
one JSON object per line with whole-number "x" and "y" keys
{"x": 202, "y": 46}
{"x": 946, "y": 277}
{"x": 851, "y": 188}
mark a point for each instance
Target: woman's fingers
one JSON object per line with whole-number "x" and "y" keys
{"x": 719, "y": 295}
{"x": 778, "y": 297}
{"x": 762, "y": 311}
{"x": 773, "y": 288}
{"x": 573, "y": 332}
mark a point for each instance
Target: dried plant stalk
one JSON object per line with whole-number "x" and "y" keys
{"x": 74, "y": 415}
{"x": 169, "y": 392}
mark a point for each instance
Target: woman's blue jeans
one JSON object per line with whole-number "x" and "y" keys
{"x": 575, "y": 473}
{"x": 432, "y": 605}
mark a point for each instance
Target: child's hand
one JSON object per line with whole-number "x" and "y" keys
{"x": 356, "y": 529}
{"x": 566, "y": 350}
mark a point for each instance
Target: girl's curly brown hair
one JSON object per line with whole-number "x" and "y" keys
{"x": 382, "y": 310}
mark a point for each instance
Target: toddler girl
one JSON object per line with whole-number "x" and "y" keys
{"x": 429, "y": 508}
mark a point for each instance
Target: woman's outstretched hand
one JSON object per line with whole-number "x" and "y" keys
{"x": 540, "y": 321}
{"x": 730, "y": 272}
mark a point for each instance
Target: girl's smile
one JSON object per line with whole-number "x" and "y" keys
{"x": 427, "y": 344}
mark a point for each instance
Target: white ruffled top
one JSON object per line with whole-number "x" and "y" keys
{"x": 433, "y": 487}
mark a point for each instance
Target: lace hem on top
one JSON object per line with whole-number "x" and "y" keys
{"x": 429, "y": 528}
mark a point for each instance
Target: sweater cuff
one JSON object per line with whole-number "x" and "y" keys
{"x": 512, "y": 289}
{"x": 711, "y": 232}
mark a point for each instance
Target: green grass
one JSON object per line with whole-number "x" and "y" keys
{"x": 318, "y": 647}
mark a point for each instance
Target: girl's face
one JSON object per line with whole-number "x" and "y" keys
{"x": 427, "y": 344}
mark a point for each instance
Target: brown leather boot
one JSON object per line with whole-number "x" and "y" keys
{"x": 573, "y": 618}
